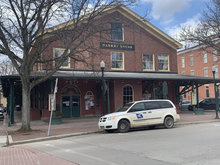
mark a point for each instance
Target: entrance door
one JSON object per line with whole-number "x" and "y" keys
{"x": 75, "y": 106}
{"x": 66, "y": 106}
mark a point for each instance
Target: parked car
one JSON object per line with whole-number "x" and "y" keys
{"x": 206, "y": 104}
{"x": 2, "y": 109}
{"x": 1, "y": 115}
{"x": 140, "y": 113}
{"x": 185, "y": 104}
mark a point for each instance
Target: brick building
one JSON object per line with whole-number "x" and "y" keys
{"x": 195, "y": 61}
{"x": 140, "y": 63}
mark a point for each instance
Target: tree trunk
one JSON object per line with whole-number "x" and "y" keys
{"x": 25, "y": 108}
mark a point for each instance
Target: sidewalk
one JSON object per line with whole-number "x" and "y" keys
{"x": 76, "y": 126}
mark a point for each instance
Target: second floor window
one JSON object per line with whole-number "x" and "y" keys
{"x": 215, "y": 58}
{"x": 183, "y": 63}
{"x": 117, "y": 60}
{"x": 205, "y": 57}
{"x": 216, "y": 72}
{"x": 59, "y": 52}
{"x": 192, "y": 72}
{"x": 206, "y": 72}
{"x": 116, "y": 31}
{"x": 163, "y": 62}
{"x": 207, "y": 91}
{"x": 191, "y": 60}
{"x": 148, "y": 62}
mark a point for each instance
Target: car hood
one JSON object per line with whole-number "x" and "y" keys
{"x": 115, "y": 114}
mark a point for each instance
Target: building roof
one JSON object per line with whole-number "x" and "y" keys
{"x": 144, "y": 76}
{"x": 133, "y": 17}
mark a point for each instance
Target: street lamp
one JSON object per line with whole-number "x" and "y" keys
{"x": 102, "y": 66}
{"x": 216, "y": 99}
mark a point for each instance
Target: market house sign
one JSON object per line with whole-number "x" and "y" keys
{"x": 116, "y": 46}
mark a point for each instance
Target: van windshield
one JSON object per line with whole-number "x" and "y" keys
{"x": 124, "y": 107}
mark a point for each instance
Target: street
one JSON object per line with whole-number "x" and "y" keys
{"x": 184, "y": 144}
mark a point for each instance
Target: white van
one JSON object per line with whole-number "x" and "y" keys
{"x": 140, "y": 113}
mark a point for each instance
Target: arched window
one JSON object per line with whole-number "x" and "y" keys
{"x": 127, "y": 94}
{"x": 70, "y": 90}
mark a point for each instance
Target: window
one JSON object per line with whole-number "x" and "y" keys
{"x": 116, "y": 31}
{"x": 207, "y": 91}
{"x": 127, "y": 94}
{"x": 148, "y": 61}
{"x": 192, "y": 72}
{"x": 205, "y": 57}
{"x": 59, "y": 52}
{"x": 117, "y": 59}
{"x": 206, "y": 72}
{"x": 138, "y": 107}
{"x": 150, "y": 105}
{"x": 216, "y": 71}
{"x": 183, "y": 63}
{"x": 184, "y": 95}
{"x": 163, "y": 62}
{"x": 217, "y": 87}
{"x": 183, "y": 73}
{"x": 191, "y": 60}
{"x": 215, "y": 57}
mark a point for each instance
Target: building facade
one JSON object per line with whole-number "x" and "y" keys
{"x": 140, "y": 63}
{"x": 195, "y": 61}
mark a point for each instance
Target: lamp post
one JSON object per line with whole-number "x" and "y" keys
{"x": 216, "y": 99}
{"x": 102, "y": 66}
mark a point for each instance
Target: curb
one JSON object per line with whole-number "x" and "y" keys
{"x": 51, "y": 138}
{"x": 86, "y": 133}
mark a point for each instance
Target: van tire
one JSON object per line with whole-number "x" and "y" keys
{"x": 123, "y": 126}
{"x": 168, "y": 122}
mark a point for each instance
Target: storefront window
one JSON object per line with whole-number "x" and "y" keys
{"x": 127, "y": 94}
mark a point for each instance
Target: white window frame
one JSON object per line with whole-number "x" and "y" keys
{"x": 183, "y": 62}
{"x": 191, "y": 60}
{"x": 206, "y": 72}
{"x": 183, "y": 73}
{"x": 207, "y": 89}
{"x": 192, "y": 71}
{"x": 216, "y": 71}
{"x": 215, "y": 57}
{"x": 205, "y": 57}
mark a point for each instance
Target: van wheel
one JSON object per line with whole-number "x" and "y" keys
{"x": 123, "y": 126}
{"x": 168, "y": 122}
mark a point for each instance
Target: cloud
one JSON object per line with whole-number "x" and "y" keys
{"x": 175, "y": 30}
{"x": 165, "y": 9}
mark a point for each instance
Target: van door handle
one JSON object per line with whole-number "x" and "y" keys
{"x": 144, "y": 112}
{"x": 149, "y": 112}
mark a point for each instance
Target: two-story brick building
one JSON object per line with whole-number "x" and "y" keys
{"x": 140, "y": 63}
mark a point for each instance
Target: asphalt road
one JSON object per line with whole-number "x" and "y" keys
{"x": 183, "y": 145}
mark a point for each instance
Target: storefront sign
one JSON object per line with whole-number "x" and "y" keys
{"x": 116, "y": 46}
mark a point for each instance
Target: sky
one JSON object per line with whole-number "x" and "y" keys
{"x": 170, "y": 15}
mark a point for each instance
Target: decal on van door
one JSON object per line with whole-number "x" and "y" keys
{"x": 139, "y": 115}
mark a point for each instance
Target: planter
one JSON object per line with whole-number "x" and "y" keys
{"x": 56, "y": 120}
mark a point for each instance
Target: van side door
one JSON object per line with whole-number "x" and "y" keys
{"x": 154, "y": 113}
{"x": 138, "y": 115}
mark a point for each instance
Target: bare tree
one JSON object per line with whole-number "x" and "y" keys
{"x": 207, "y": 32}
{"x": 7, "y": 68}
{"x": 27, "y": 30}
